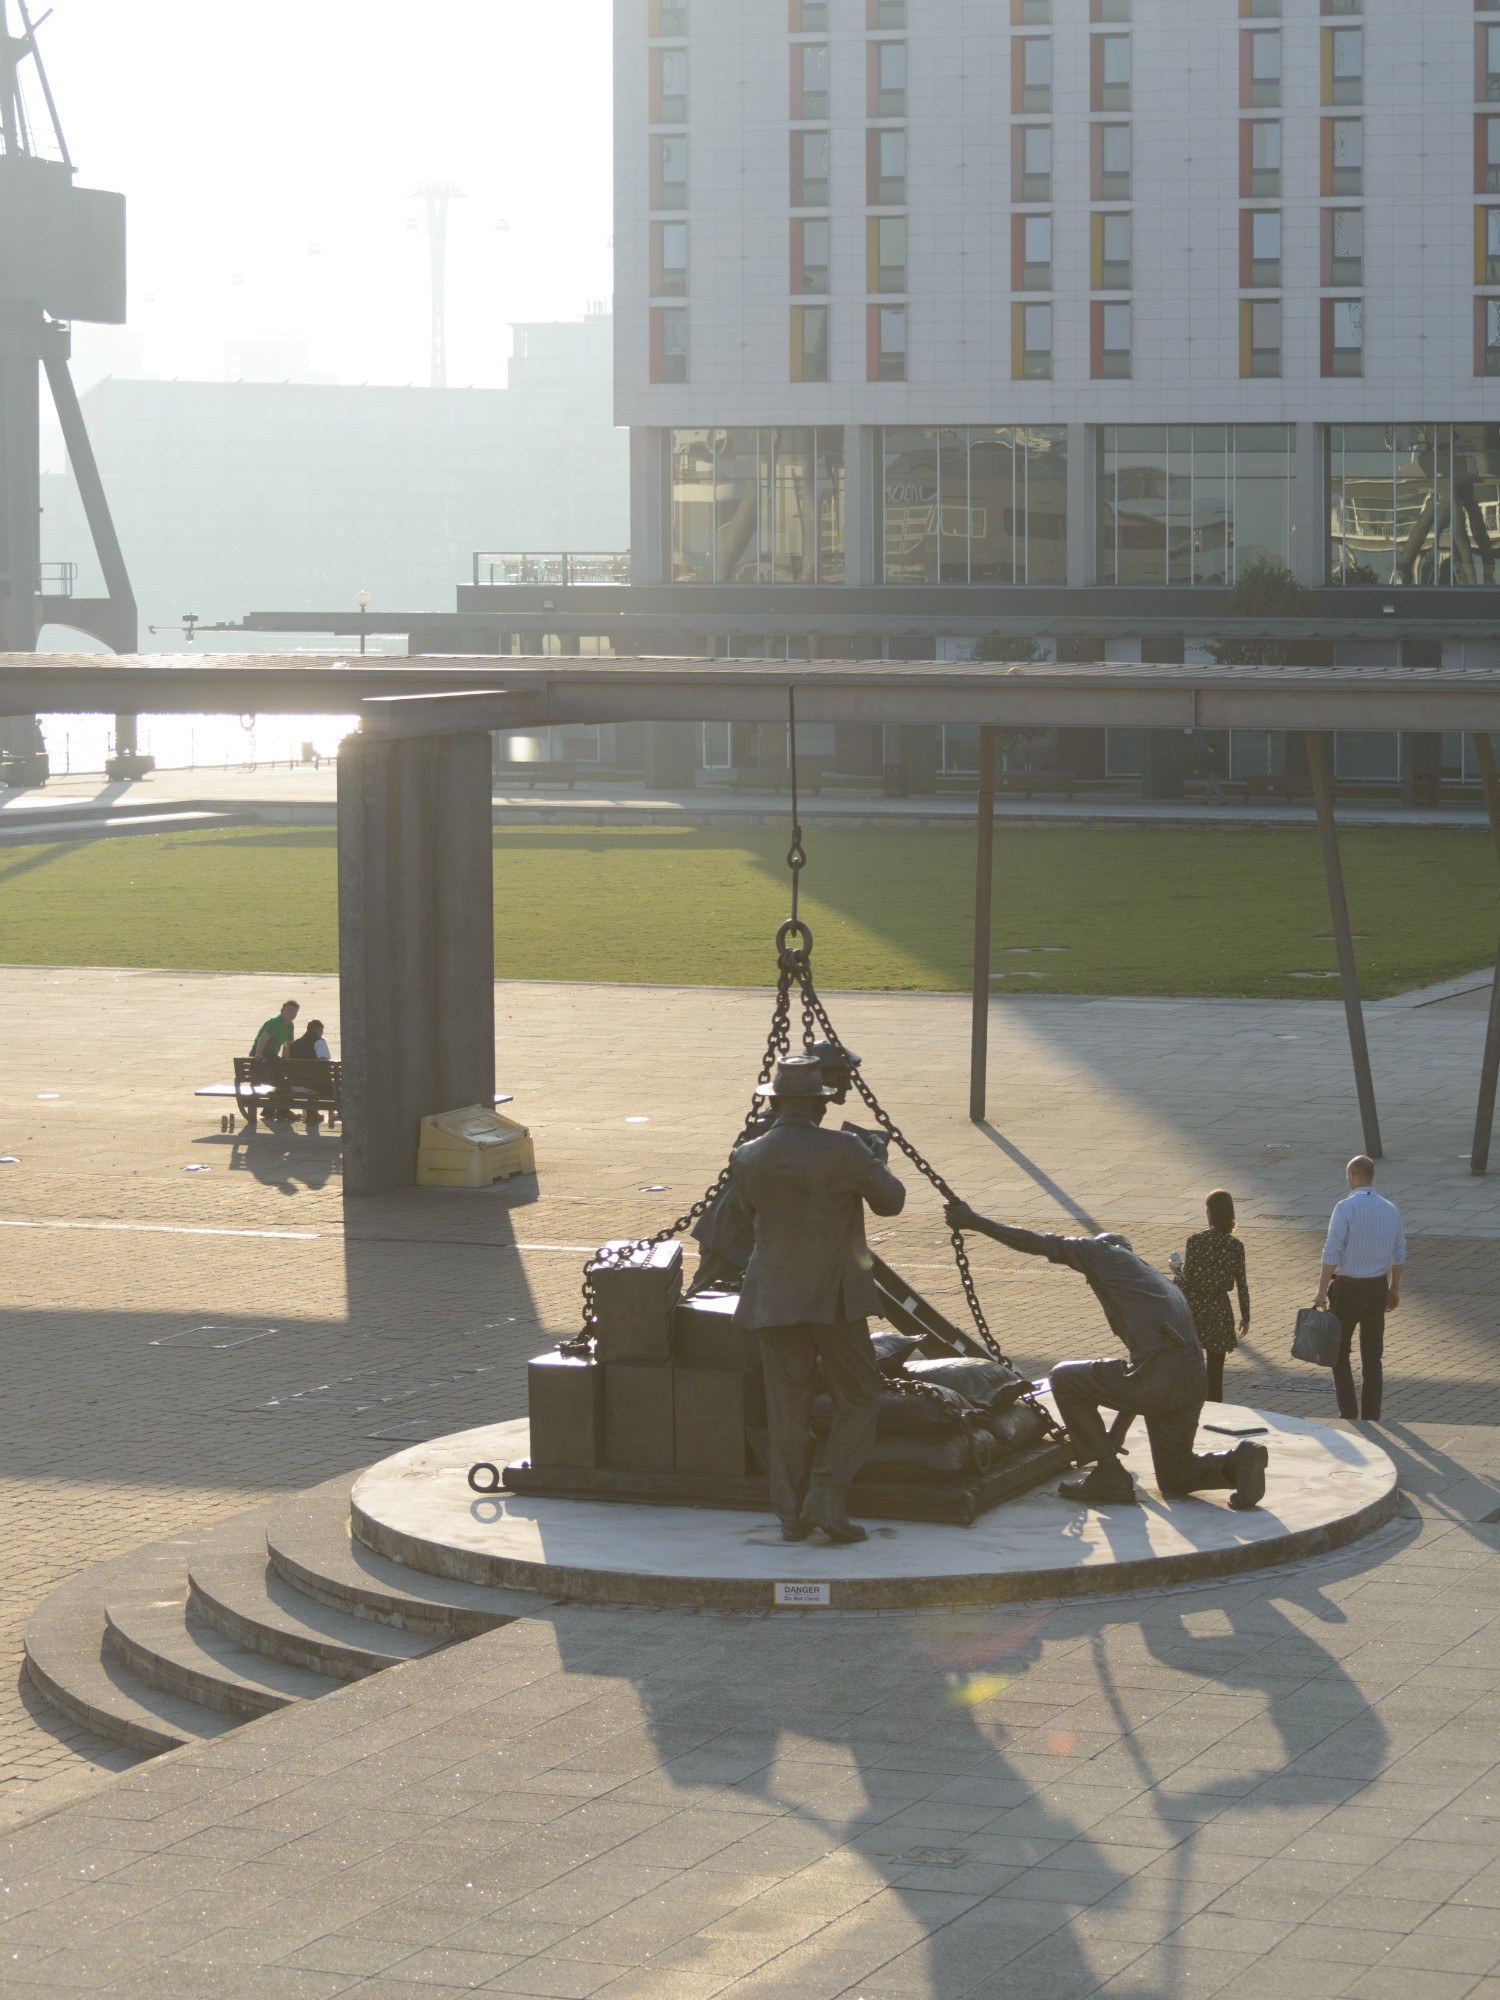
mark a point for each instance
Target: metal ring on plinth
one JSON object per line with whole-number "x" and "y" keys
{"x": 493, "y": 1483}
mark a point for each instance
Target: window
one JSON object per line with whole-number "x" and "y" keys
{"x": 810, "y": 80}
{"x": 1487, "y": 360}
{"x": 1031, "y": 338}
{"x": 1033, "y": 163}
{"x": 669, "y": 172}
{"x": 1193, "y": 503}
{"x": 888, "y": 61}
{"x": 669, "y": 86}
{"x": 810, "y": 340}
{"x": 669, "y": 344}
{"x": 887, "y": 168}
{"x": 1111, "y": 341}
{"x": 1344, "y": 246}
{"x": 1111, "y": 72}
{"x": 1489, "y": 47}
{"x": 887, "y": 343}
{"x": 1032, "y": 70}
{"x": 1487, "y": 242}
{"x": 753, "y": 506}
{"x": 809, "y": 16}
{"x": 1112, "y": 162}
{"x": 1343, "y": 6}
{"x": 1343, "y": 336}
{"x": 1260, "y": 337}
{"x": 1031, "y": 13}
{"x": 669, "y": 259}
{"x": 1343, "y": 65}
{"x": 1110, "y": 10}
{"x": 1413, "y": 503}
{"x": 668, "y": 17}
{"x": 1113, "y": 235}
{"x": 1343, "y": 156}
{"x": 1261, "y": 253}
{"x": 886, "y": 14}
{"x": 1034, "y": 259}
{"x": 885, "y": 253}
{"x": 1261, "y": 147}
{"x": 974, "y": 504}
{"x": 810, "y": 256}
{"x": 1487, "y": 156}
{"x": 1255, "y": 8}
{"x": 809, "y": 170}
{"x": 1263, "y": 67}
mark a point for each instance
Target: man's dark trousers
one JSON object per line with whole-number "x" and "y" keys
{"x": 789, "y": 1359}
{"x": 1167, "y": 1390}
{"x": 1361, "y": 1303}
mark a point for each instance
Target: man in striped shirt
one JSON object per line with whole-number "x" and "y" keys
{"x": 1360, "y": 1282}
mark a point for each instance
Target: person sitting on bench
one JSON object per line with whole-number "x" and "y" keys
{"x": 1164, "y": 1380}
{"x": 272, "y": 1044}
{"x": 310, "y": 1045}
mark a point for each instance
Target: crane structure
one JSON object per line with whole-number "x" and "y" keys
{"x": 62, "y": 258}
{"x": 437, "y": 195}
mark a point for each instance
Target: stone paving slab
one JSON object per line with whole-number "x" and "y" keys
{"x": 1283, "y": 1785}
{"x": 180, "y": 1346}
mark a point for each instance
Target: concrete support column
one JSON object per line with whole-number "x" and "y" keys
{"x": 984, "y": 877}
{"x": 20, "y": 494}
{"x": 1309, "y": 506}
{"x": 416, "y": 944}
{"x": 1320, "y": 767}
{"x": 650, "y": 551}
{"x": 1083, "y": 484}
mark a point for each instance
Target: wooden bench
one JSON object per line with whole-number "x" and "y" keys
{"x": 562, "y": 771}
{"x": 307, "y": 1086}
{"x": 777, "y": 777}
{"x": 1276, "y": 785}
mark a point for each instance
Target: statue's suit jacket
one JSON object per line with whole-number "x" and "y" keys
{"x": 804, "y": 1191}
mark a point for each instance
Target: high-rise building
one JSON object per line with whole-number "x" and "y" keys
{"x": 938, "y": 313}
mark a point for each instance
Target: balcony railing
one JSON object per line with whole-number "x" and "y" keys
{"x": 561, "y": 569}
{"x": 57, "y": 579}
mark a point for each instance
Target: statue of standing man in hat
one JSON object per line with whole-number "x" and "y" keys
{"x": 809, "y": 1292}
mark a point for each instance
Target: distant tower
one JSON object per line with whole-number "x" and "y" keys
{"x": 437, "y": 195}
{"x": 64, "y": 259}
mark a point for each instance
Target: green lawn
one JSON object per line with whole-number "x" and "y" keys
{"x": 1127, "y": 910}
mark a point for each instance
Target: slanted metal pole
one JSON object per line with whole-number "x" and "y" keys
{"x": 1320, "y": 765}
{"x": 984, "y": 872}
{"x": 1489, "y": 1068}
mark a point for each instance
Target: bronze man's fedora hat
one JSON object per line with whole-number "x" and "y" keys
{"x": 798, "y": 1076}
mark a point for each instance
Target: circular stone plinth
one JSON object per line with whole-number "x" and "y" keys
{"x": 1326, "y": 1487}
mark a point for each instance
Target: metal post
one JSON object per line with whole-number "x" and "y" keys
{"x": 1489, "y": 1068}
{"x": 984, "y": 871}
{"x": 1320, "y": 765}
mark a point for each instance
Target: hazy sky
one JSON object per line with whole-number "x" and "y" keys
{"x": 269, "y": 153}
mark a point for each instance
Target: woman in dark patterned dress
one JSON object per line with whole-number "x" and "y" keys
{"x": 1213, "y": 1267}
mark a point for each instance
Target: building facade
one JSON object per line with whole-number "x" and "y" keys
{"x": 1025, "y": 294}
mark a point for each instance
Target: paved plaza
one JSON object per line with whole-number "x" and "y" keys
{"x": 1284, "y": 1785}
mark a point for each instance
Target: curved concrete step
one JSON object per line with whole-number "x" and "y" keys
{"x": 310, "y": 1545}
{"x": 67, "y": 1664}
{"x": 233, "y": 1588}
{"x": 159, "y": 1641}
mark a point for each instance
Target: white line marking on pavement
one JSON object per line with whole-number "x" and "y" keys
{"x": 169, "y": 1229}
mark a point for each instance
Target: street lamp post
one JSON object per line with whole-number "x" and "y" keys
{"x": 363, "y": 601}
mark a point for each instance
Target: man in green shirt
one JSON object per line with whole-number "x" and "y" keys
{"x": 271, "y": 1043}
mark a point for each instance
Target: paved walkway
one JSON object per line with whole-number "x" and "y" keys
{"x": 948, "y": 1794}
{"x": 278, "y": 788}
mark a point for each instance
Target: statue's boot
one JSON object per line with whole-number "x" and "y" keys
{"x": 823, "y": 1512}
{"x": 794, "y": 1528}
{"x": 1248, "y": 1463}
{"x": 1103, "y": 1484}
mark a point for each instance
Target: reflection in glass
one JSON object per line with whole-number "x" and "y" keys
{"x": 1193, "y": 503}
{"x": 975, "y": 504}
{"x": 752, "y": 506}
{"x": 1414, "y": 503}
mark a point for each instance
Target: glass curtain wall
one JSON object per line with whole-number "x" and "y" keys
{"x": 757, "y": 506}
{"x": 1193, "y": 503}
{"x": 974, "y": 504}
{"x": 1413, "y": 503}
